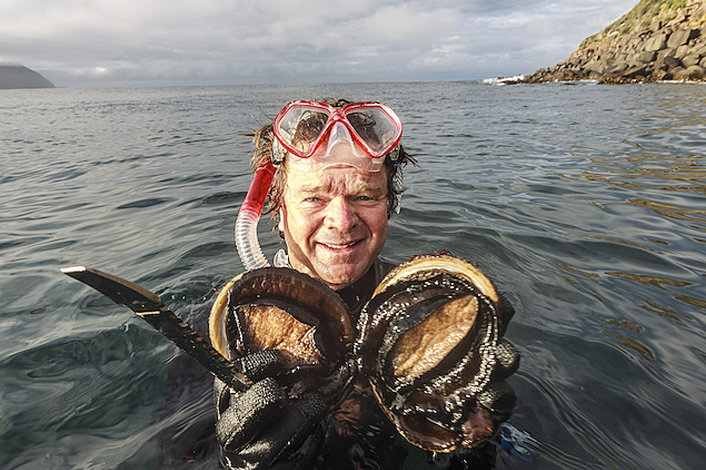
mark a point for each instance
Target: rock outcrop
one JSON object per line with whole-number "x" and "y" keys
{"x": 657, "y": 40}
{"x": 19, "y": 76}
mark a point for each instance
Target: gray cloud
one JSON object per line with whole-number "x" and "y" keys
{"x": 83, "y": 42}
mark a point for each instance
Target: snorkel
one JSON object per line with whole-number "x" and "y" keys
{"x": 249, "y": 215}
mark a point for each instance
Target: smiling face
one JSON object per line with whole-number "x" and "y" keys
{"x": 334, "y": 221}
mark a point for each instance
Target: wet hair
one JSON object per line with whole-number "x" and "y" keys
{"x": 262, "y": 142}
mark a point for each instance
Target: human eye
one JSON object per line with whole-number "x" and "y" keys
{"x": 313, "y": 198}
{"x": 367, "y": 199}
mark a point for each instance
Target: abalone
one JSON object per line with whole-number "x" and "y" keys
{"x": 283, "y": 309}
{"x": 427, "y": 343}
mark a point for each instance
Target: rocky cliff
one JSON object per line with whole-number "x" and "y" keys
{"x": 656, "y": 40}
{"x": 18, "y": 76}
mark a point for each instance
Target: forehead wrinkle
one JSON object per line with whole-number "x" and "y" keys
{"x": 335, "y": 184}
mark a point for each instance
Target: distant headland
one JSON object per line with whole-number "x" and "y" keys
{"x": 19, "y": 76}
{"x": 657, "y": 40}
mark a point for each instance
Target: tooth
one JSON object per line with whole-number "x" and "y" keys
{"x": 339, "y": 246}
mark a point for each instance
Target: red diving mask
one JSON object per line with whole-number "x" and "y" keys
{"x": 357, "y": 134}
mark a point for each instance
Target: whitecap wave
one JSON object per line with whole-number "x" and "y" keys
{"x": 500, "y": 81}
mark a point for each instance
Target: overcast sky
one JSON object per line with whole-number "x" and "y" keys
{"x": 161, "y": 42}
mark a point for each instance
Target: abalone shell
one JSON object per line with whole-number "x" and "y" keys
{"x": 427, "y": 342}
{"x": 283, "y": 309}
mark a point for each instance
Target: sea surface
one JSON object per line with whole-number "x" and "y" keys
{"x": 585, "y": 203}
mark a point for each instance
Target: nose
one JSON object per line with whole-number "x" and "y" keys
{"x": 341, "y": 215}
{"x": 339, "y": 139}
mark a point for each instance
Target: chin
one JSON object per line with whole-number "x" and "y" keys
{"x": 340, "y": 280}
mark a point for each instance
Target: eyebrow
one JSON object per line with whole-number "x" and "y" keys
{"x": 358, "y": 188}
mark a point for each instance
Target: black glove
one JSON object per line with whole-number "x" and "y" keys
{"x": 498, "y": 396}
{"x": 261, "y": 428}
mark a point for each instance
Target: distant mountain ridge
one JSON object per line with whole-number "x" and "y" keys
{"x": 19, "y": 76}
{"x": 656, "y": 40}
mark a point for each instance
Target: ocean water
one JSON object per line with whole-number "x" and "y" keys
{"x": 585, "y": 203}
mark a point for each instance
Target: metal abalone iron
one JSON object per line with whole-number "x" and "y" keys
{"x": 428, "y": 343}
{"x": 283, "y": 309}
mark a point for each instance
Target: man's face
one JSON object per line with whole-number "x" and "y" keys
{"x": 334, "y": 221}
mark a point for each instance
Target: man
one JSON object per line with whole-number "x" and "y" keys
{"x": 337, "y": 184}
{"x": 334, "y": 191}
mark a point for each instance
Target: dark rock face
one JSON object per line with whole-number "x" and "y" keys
{"x": 656, "y": 40}
{"x": 18, "y": 76}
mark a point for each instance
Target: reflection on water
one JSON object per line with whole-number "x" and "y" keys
{"x": 632, "y": 344}
{"x": 668, "y": 313}
{"x": 676, "y": 212}
{"x": 650, "y": 280}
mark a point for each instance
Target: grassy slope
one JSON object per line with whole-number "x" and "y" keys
{"x": 638, "y": 19}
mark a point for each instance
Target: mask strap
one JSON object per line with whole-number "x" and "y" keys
{"x": 394, "y": 154}
{"x": 278, "y": 152}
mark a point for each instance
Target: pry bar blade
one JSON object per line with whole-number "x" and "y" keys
{"x": 151, "y": 309}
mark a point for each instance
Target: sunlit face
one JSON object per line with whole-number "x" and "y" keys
{"x": 334, "y": 221}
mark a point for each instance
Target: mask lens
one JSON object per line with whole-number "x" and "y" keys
{"x": 375, "y": 127}
{"x": 301, "y": 127}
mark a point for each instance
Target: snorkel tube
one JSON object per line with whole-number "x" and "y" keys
{"x": 248, "y": 216}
